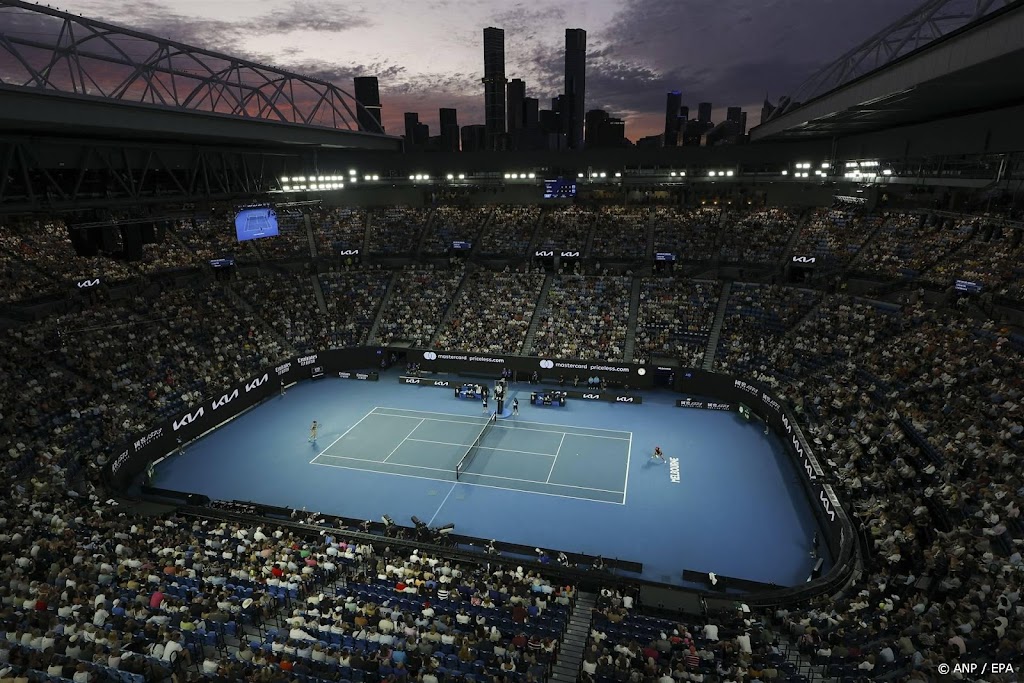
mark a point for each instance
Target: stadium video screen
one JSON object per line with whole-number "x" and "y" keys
{"x": 968, "y": 287}
{"x": 461, "y": 245}
{"x": 664, "y": 256}
{"x": 254, "y": 222}
{"x": 559, "y": 189}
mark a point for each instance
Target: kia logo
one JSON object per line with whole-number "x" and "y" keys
{"x": 543, "y": 254}
{"x": 547, "y": 364}
{"x": 624, "y": 399}
{"x": 224, "y": 400}
{"x": 592, "y": 396}
{"x": 440, "y": 383}
{"x": 412, "y": 381}
{"x": 87, "y": 283}
{"x": 429, "y": 355}
{"x": 803, "y": 259}
{"x": 827, "y": 506}
{"x": 350, "y": 252}
{"x": 255, "y": 383}
{"x": 570, "y": 254}
{"x": 188, "y": 419}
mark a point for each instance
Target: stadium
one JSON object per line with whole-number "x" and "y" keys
{"x": 285, "y": 401}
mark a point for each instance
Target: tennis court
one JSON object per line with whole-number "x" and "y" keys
{"x": 572, "y": 462}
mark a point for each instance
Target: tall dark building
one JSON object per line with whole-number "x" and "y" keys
{"x": 412, "y": 119}
{"x": 595, "y": 118}
{"x": 368, "y": 95}
{"x": 531, "y": 107}
{"x": 516, "y": 96}
{"x": 603, "y": 131}
{"x": 673, "y": 105}
{"x": 449, "y": 130}
{"x": 766, "y": 110}
{"x": 743, "y": 123}
{"x": 494, "y": 85}
{"x": 474, "y": 138}
{"x": 684, "y": 113}
{"x": 704, "y": 112}
{"x": 734, "y": 114}
{"x": 575, "y": 85}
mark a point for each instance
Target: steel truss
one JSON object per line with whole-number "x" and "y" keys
{"x": 38, "y": 175}
{"x": 929, "y": 22}
{"x": 44, "y": 48}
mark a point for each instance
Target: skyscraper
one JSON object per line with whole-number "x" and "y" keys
{"x": 516, "y": 95}
{"x": 766, "y": 110}
{"x": 412, "y": 119}
{"x": 368, "y": 95}
{"x": 449, "y": 130}
{"x": 673, "y": 105}
{"x": 494, "y": 84}
{"x": 734, "y": 114}
{"x": 575, "y": 85}
{"x": 704, "y": 112}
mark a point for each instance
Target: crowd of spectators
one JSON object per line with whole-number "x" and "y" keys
{"x": 566, "y": 227}
{"x": 338, "y": 228}
{"x": 416, "y": 307}
{"x": 584, "y": 317}
{"x": 451, "y": 223}
{"x": 210, "y": 234}
{"x": 93, "y": 594}
{"x": 834, "y": 236}
{"x": 396, "y": 230}
{"x": 908, "y": 244}
{"x": 995, "y": 263}
{"x": 292, "y": 239}
{"x": 620, "y": 232}
{"x": 689, "y": 234}
{"x": 493, "y": 312}
{"x": 353, "y": 298}
{"x": 915, "y": 410}
{"x": 756, "y": 316}
{"x": 674, "y": 319}
{"x": 757, "y": 236}
{"x": 725, "y": 646}
{"x": 510, "y": 230}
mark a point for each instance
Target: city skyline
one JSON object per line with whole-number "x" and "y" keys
{"x": 427, "y": 56}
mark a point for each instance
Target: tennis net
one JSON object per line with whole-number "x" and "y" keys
{"x": 473, "y": 448}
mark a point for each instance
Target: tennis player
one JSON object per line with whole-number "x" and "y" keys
{"x": 485, "y": 404}
{"x": 658, "y": 455}
{"x": 312, "y": 432}
{"x": 515, "y": 406}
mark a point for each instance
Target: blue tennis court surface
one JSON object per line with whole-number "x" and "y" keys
{"x": 574, "y": 462}
{"x": 577, "y": 478}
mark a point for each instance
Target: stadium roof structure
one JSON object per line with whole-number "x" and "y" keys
{"x": 947, "y": 58}
{"x": 65, "y": 74}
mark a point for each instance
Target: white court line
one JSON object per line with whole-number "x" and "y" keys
{"x": 515, "y": 427}
{"x": 489, "y": 448}
{"x": 442, "y": 503}
{"x": 475, "y": 474}
{"x": 554, "y": 460}
{"x": 546, "y": 424}
{"x": 405, "y": 439}
{"x": 466, "y": 483}
{"x": 629, "y": 453}
{"x": 381, "y": 462}
{"x": 340, "y": 437}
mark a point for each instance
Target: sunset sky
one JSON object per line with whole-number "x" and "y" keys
{"x": 428, "y": 54}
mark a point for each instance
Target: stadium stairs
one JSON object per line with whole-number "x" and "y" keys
{"x": 793, "y": 238}
{"x": 589, "y": 243}
{"x": 634, "y": 311}
{"x": 367, "y": 224}
{"x": 452, "y": 306}
{"x": 479, "y": 236}
{"x": 318, "y": 292}
{"x": 538, "y": 232}
{"x": 424, "y": 232}
{"x": 570, "y": 654}
{"x": 372, "y": 337}
{"x": 650, "y": 236}
{"x": 239, "y": 301}
{"x": 309, "y": 235}
{"x": 531, "y": 332}
{"x": 716, "y": 327}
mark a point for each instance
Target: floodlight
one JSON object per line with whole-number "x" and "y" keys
{"x": 728, "y": 173}
{"x": 603, "y": 174}
{"x": 533, "y": 175}
{"x": 618, "y": 175}
{"x": 711, "y": 173}
{"x": 673, "y": 173}
{"x": 462, "y": 176}
{"x": 376, "y": 177}
{"x": 351, "y": 171}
